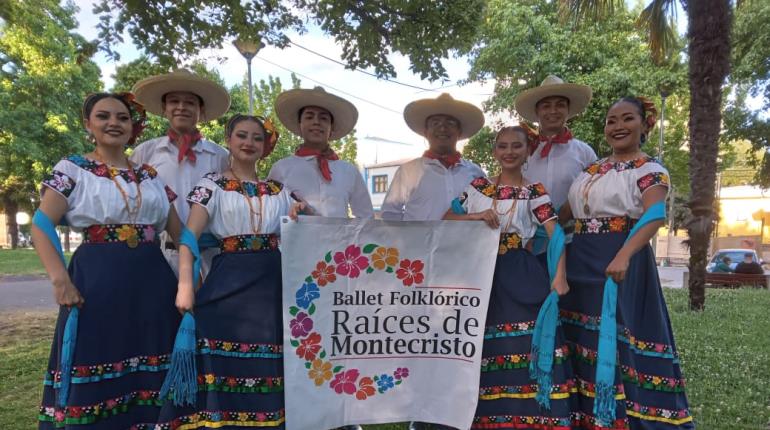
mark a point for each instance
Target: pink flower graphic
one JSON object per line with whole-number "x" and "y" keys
{"x": 345, "y": 382}
{"x": 401, "y": 373}
{"x": 301, "y": 326}
{"x": 351, "y": 263}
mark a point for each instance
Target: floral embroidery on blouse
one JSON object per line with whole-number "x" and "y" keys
{"x": 603, "y": 166}
{"x": 138, "y": 174}
{"x": 60, "y": 182}
{"x": 170, "y": 193}
{"x": 652, "y": 179}
{"x": 263, "y": 188}
{"x": 544, "y": 212}
{"x": 200, "y": 195}
{"x": 506, "y": 192}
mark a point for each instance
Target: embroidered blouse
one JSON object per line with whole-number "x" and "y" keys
{"x": 532, "y": 205}
{"x": 228, "y": 210}
{"x": 615, "y": 189}
{"x": 94, "y": 199}
{"x": 423, "y": 189}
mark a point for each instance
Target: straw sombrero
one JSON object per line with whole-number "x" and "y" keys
{"x": 471, "y": 118}
{"x": 578, "y": 95}
{"x": 150, "y": 91}
{"x": 289, "y": 103}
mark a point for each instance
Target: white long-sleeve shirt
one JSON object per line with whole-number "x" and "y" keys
{"x": 302, "y": 176}
{"x": 559, "y": 169}
{"x": 423, "y": 189}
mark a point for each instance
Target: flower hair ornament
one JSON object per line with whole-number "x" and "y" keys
{"x": 650, "y": 112}
{"x": 533, "y": 136}
{"x": 271, "y": 132}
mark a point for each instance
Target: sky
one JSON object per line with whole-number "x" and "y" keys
{"x": 380, "y": 103}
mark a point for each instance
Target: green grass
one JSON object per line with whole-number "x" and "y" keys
{"x": 725, "y": 353}
{"x": 21, "y": 262}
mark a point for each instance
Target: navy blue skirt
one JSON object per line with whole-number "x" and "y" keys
{"x": 649, "y": 385}
{"x": 238, "y": 317}
{"x": 125, "y": 334}
{"x": 506, "y": 392}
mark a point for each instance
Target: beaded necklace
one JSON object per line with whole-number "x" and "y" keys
{"x": 252, "y": 212}
{"x": 113, "y": 172}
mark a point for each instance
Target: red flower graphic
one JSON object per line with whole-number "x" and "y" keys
{"x": 309, "y": 346}
{"x": 324, "y": 274}
{"x": 345, "y": 382}
{"x": 351, "y": 263}
{"x": 410, "y": 272}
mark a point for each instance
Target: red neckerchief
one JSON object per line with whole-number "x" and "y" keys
{"x": 322, "y": 157}
{"x": 185, "y": 143}
{"x": 562, "y": 138}
{"x": 448, "y": 161}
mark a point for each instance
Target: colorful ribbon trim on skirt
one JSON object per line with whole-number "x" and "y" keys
{"x": 604, "y": 404}
{"x": 544, "y": 336}
{"x": 45, "y": 225}
{"x": 249, "y": 242}
{"x": 181, "y": 379}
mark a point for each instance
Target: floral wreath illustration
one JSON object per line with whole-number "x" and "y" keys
{"x": 351, "y": 263}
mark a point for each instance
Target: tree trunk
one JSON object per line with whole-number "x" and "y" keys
{"x": 11, "y": 208}
{"x": 709, "y": 52}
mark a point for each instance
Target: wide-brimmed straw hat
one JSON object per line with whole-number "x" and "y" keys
{"x": 289, "y": 103}
{"x": 578, "y": 96}
{"x": 471, "y": 118}
{"x": 150, "y": 92}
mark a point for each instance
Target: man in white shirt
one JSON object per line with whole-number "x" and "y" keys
{"x": 183, "y": 156}
{"x": 330, "y": 186}
{"x": 423, "y": 189}
{"x": 556, "y": 157}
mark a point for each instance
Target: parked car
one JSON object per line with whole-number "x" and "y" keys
{"x": 736, "y": 256}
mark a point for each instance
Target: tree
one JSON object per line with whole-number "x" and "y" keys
{"x": 265, "y": 93}
{"x": 523, "y": 42}
{"x": 45, "y": 73}
{"x": 479, "y": 150}
{"x": 424, "y": 31}
{"x": 709, "y": 23}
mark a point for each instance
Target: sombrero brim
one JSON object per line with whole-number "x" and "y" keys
{"x": 471, "y": 118}
{"x": 579, "y": 96}
{"x": 150, "y": 91}
{"x": 289, "y": 103}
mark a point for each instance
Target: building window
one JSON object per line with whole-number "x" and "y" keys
{"x": 379, "y": 184}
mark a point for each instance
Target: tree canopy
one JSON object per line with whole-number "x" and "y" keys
{"x": 425, "y": 32}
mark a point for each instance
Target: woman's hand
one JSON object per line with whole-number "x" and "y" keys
{"x": 618, "y": 267}
{"x": 299, "y": 208}
{"x": 185, "y": 298}
{"x": 65, "y": 292}
{"x": 560, "y": 285}
{"x": 488, "y": 216}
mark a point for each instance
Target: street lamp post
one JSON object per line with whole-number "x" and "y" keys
{"x": 249, "y": 48}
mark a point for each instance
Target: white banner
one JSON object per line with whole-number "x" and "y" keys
{"x": 383, "y": 321}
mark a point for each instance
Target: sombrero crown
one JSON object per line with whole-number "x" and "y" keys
{"x": 150, "y": 92}
{"x": 578, "y": 96}
{"x": 471, "y": 117}
{"x": 289, "y": 103}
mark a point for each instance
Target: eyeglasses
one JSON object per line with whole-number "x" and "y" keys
{"x": 446, "y": 122}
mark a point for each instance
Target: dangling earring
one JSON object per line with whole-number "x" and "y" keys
{"x": 230, "y": 159}
{"x": 643, "y": 138}
{"x": 256, "y": 168}
{"x": 90, "y": 136}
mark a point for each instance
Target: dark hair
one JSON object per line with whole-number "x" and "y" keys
{"x": 238, "y": 118}
{"x": 200, "y": 99}
{"x": 92, "y": 99}
{"x": 135, "y": 111}
{"x": 515, "y": 129}
{"x": 302, "y": 109}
